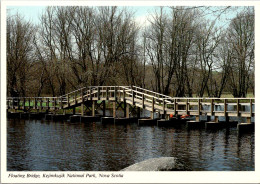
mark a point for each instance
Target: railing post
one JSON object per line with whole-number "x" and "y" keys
{"x": 40, "y": 103}
{"x": 120, "y": 94}
{"x": 164, "y": 112}
{"x": 23, "y": 104}
{"x": 18, "y": 103}
{"x": 68, "y": 100}
{"x": 225, "y": 107}
{"x": 29, "y": 103}
{"x": 187, "y": 106}
{"x": 98, "y": 93}
{"x": 212, "y": 107}
{"x": 152, "y": 112}
{"x": 82, "y": 96}
{"x": 115, "y": 93}
{"x": 8, "y": 104}
{"x": 199, "y": 106}
{"x": 61, "y": 104}
{"x": 47, "y": 101}
{"x": 90, "y": 93}
{"x": 106, "y": 93}
{"x": 125, "y": 105}
{"x": 13, "y": 103}
{"x": 251, "y": 108}
{"x": 142, "y": 100}
{"x": 237, "y": 107}
{"x": 82, "y": 102}
{"x": 175, "y": 106}
{"x": 54, "y": 105}
{"x": 35, "y": 103}
{"x": 133, "y": 98}
{"x": 123, "y": 94}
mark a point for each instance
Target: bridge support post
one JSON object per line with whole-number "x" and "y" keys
{"x": 197, "y": 118}
{"x": 104, "y": 108}
{"x": 93, "y": 108}
{"x": 125, "y": 108}
{"x": 138, "y": 112}
{"x": 127, "y": 111}
{"x": 227, "y": 119}
{"x": 152, "y": 112}
{"x": 208, "y": 118}
{"x": 82, "y": 109}
{"x": 74, "y": 110}
{"x": 152, "y": 115}
{"x": 164, "y": 112}
{"x": 114, "y": 109}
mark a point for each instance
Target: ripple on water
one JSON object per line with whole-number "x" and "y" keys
{"x": 62, "y": 146}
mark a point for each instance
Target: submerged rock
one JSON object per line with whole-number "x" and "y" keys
{"x": 157, "y": 164}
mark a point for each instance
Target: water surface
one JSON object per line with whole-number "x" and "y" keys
{"x": 39, "y": 145}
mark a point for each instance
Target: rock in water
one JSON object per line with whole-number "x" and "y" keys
{"x": 157, "y": 164}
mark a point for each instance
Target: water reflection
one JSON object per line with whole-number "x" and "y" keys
{"x": 59, "y": 146}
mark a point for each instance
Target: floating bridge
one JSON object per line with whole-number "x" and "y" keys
{"x": 132, "y": 98}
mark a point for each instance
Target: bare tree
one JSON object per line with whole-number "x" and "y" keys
{"x": 20, "y": 34}
{"x": 241, "y": 35}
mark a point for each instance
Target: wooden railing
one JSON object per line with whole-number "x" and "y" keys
{"x": 143, "y": 98}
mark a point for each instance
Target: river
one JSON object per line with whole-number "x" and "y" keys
{"x": 40, "y": 145}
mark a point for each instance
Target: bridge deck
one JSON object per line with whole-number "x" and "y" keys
{"x": 141, "y": 98}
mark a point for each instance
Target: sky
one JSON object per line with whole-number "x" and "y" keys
{"x": 32, "y": 13}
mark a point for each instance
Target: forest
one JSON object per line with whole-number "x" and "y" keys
{"x": 180, "y": 52}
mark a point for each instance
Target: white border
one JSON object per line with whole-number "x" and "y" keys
{"x": 130, "y": 177}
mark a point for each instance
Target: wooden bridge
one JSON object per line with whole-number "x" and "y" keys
{"x": 132, "y": 98}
